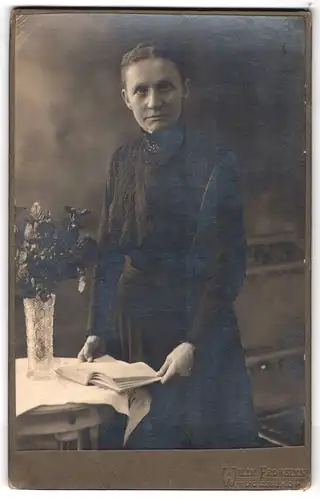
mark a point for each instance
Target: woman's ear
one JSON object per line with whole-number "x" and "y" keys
{"x": 124, "y": 95}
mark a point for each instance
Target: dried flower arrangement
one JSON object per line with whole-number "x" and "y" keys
{"x": 46, "y": 255}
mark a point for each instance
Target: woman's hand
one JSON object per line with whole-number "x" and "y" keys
{"x": 178, "y": 362}
{"x": 89, "y": 349}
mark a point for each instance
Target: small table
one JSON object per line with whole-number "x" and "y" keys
{"x": 66, "y": 422}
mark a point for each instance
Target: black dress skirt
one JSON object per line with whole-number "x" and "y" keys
{"x": 212, "y": 408}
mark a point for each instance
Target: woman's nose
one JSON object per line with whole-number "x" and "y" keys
{"x": 154, "y": 99}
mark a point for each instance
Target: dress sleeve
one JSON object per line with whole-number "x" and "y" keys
{"x": 224, "y": 256}
{"x": 108, "y": 268}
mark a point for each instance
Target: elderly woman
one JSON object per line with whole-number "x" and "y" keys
{"x": 171, "y": 264}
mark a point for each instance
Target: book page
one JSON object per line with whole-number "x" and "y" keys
{"x": 120, "y": 370}
{"x": 76, "y": 373}
{"x": 109, "y": 368}
{"x": 132, "y": 384}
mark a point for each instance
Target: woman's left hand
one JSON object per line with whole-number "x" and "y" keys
{"x": 178, "y": 362}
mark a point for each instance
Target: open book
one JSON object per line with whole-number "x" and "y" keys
{"x": 109, "y": 373}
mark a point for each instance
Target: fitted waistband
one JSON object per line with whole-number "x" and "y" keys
{"x": 159, "y": 275}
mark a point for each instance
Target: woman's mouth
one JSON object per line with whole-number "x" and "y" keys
{"x": 157, "y": 117}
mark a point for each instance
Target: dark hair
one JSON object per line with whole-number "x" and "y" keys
{"x": 152, "y": 51}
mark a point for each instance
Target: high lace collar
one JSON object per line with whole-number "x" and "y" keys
{"x": 161, "y": 145}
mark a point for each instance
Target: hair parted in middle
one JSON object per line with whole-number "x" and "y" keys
{"x": 153, "y": 50}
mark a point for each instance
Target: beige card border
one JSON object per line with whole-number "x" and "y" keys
{"x": 278, "y": 468}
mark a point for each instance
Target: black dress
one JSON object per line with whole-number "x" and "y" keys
{"x": 172, "y": 260}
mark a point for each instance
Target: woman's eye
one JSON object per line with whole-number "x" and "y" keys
{"x": 165, "y": 87}
{"x": 141, "y": 91}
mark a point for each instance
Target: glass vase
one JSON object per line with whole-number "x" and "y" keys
{"x": 39, "y": 328}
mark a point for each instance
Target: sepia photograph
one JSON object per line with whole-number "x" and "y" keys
{"x": 160, "y": 245}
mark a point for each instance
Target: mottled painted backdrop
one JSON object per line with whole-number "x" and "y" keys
{"x": 248, "y": 91}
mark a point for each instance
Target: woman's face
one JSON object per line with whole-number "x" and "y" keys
{"x": 154, "y": 92}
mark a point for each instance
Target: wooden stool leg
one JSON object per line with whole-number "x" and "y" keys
{"x": 80, "y": 445}
{"x": 94, "y": 437}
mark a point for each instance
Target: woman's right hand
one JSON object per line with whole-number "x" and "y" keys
{"x": 89, "y": 349}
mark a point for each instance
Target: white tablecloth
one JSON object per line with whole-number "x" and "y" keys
{"x": 58, "y": 391}
{"x": 31, "y": 394}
